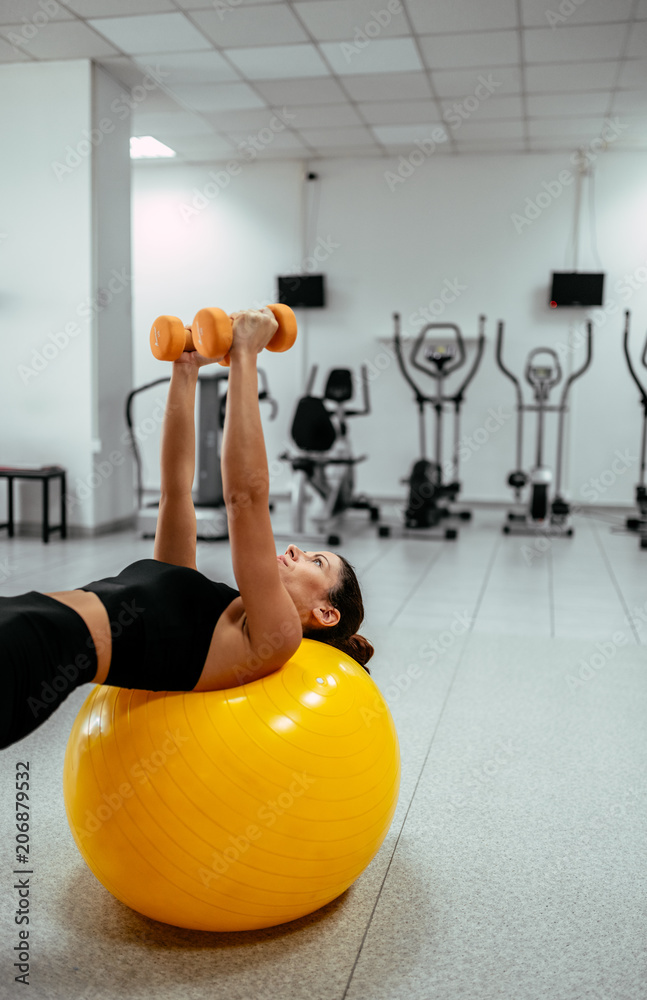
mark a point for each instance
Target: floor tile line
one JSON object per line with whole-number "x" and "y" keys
{"x": 435, "y": 556}
{"x": 616, "y": 584}
{"x": 424, "y": 764}
{"x": 551, "y": 592}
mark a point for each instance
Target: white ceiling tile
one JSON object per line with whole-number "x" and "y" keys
{"x": 223, "y": 7}
{"x": 217, "y": 97}
{"x": 576, "y": 76}
{"x": 496, "y": 147}
{"x": 278, "y": 140}
{"x": 21, "y": 12}
{"x": 152, "y": 33}
{"x": 189, "y": 67}
{"x": 112, "y": 8}
{"x": 278, "y": 62}
{"x": 503, "y": 81}
{"x": 243, "y": 26}
{"x": 630, "y": 102}
{"x": 315, "y": 90}
{"x": 409, "y": 135}
{"x": 202, "y": 148}
{"x": 492, "y": 107}
{"x": 462, "y": 15}
{"x": 351, "y": 21}
{"x": 323, "y": 116}
{"x": 638, "y": 40}
{"x": 63, "y": 40}
{"x": 383, "y": 55}
{"x": 399, "y": 112}
{"x": 474, "y": 129}
{"x": 248, "y": 119}
{"x": 633, "y": 73}
{"x": 577, "y": 127}
{"x": 387, "y": 86}
{"x": 562, "y": 104}
{"x": 542, "y": 13}
{"x": 344, "y": 153}
{"x": 161, "y": 124}
{"x": 573, "y": 43}
{"x": 481, "y": 48}
{"x": 10, "y": 53}
{"x": 321, "y": 138}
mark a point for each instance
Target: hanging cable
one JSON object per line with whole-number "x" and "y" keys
{"x": 592, "y": 221}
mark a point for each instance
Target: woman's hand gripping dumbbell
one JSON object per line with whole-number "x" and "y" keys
{"x": 211, "y": 334}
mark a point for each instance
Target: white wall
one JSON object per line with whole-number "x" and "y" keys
{"x": 65, "y": 224}
{"x": 395, "y": 250}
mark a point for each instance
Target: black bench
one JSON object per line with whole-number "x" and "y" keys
{"x": 45, "y": 473}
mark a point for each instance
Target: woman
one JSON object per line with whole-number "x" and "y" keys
{"x": 161, "y": 625}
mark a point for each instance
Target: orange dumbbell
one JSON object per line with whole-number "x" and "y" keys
{"x": 211, "y": 334}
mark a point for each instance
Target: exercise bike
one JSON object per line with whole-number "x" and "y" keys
{"x": 208, "y": 500}
{"x": 542, "y": 515}
{"x": 324, "y": 466}
{"x": 639, "y": 524}
{"x": 430, "y": 496}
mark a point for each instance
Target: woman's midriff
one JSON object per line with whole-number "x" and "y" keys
{"x": 95, "y": 616}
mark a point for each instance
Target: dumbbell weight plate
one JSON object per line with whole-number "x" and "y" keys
{"x": 168, "y": 338}
{"x": 212, "y": 333}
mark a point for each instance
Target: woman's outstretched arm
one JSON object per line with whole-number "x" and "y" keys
{"x": 273, "y": 624}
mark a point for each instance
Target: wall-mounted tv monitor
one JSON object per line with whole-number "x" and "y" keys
{"x": 569, "y": 288}
{"x": 302, "y": 291}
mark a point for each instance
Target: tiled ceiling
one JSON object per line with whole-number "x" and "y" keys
{"x": 322, "y": 78}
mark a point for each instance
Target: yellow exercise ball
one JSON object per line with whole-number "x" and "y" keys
{"x": 236, "y": 809}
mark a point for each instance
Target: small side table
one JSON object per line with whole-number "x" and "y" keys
{"x": 45, "y": 473}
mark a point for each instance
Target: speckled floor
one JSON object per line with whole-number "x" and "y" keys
{"x": 514, "y": 869}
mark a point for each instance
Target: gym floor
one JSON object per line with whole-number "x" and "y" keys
{"x": 514, "y": 867}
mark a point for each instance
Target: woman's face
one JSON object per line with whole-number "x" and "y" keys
{"x": 308, "y": 577}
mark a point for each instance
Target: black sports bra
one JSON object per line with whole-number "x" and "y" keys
{"x": 162, "y": 619}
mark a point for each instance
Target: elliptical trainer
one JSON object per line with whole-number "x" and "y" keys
{"x": 430, "y": 497}
{"x": 541, "y": 515}
{"x": 639, "y": 524}
{"x": 324, "y": 466}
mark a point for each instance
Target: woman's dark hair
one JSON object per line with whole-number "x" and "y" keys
{"x": 347, "y": 598}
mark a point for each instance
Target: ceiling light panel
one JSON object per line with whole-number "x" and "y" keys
{"x": 152, "y": 33}
{"x": 342, "y": 20}
{"x": 480, "y": 48}
{"x": 278, "y": 62}
{"x": 244, "y": 26}
{"x": 381, "y": 55}
{"x": 462, "y": 15}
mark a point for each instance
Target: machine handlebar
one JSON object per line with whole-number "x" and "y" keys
{"x": 634, "y": 374}
{"x": 447, "y": 369}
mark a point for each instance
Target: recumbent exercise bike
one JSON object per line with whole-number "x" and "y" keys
{"x": 324, "y": 466}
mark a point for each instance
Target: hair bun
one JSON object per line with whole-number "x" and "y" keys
{"x": 359, "y": 648}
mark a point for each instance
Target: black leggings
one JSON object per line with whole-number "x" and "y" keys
{"x": 46, "y": 651}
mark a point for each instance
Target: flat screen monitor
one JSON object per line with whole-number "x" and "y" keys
{"x": 302, "y": 291}
{"x": 569, "y": 288}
